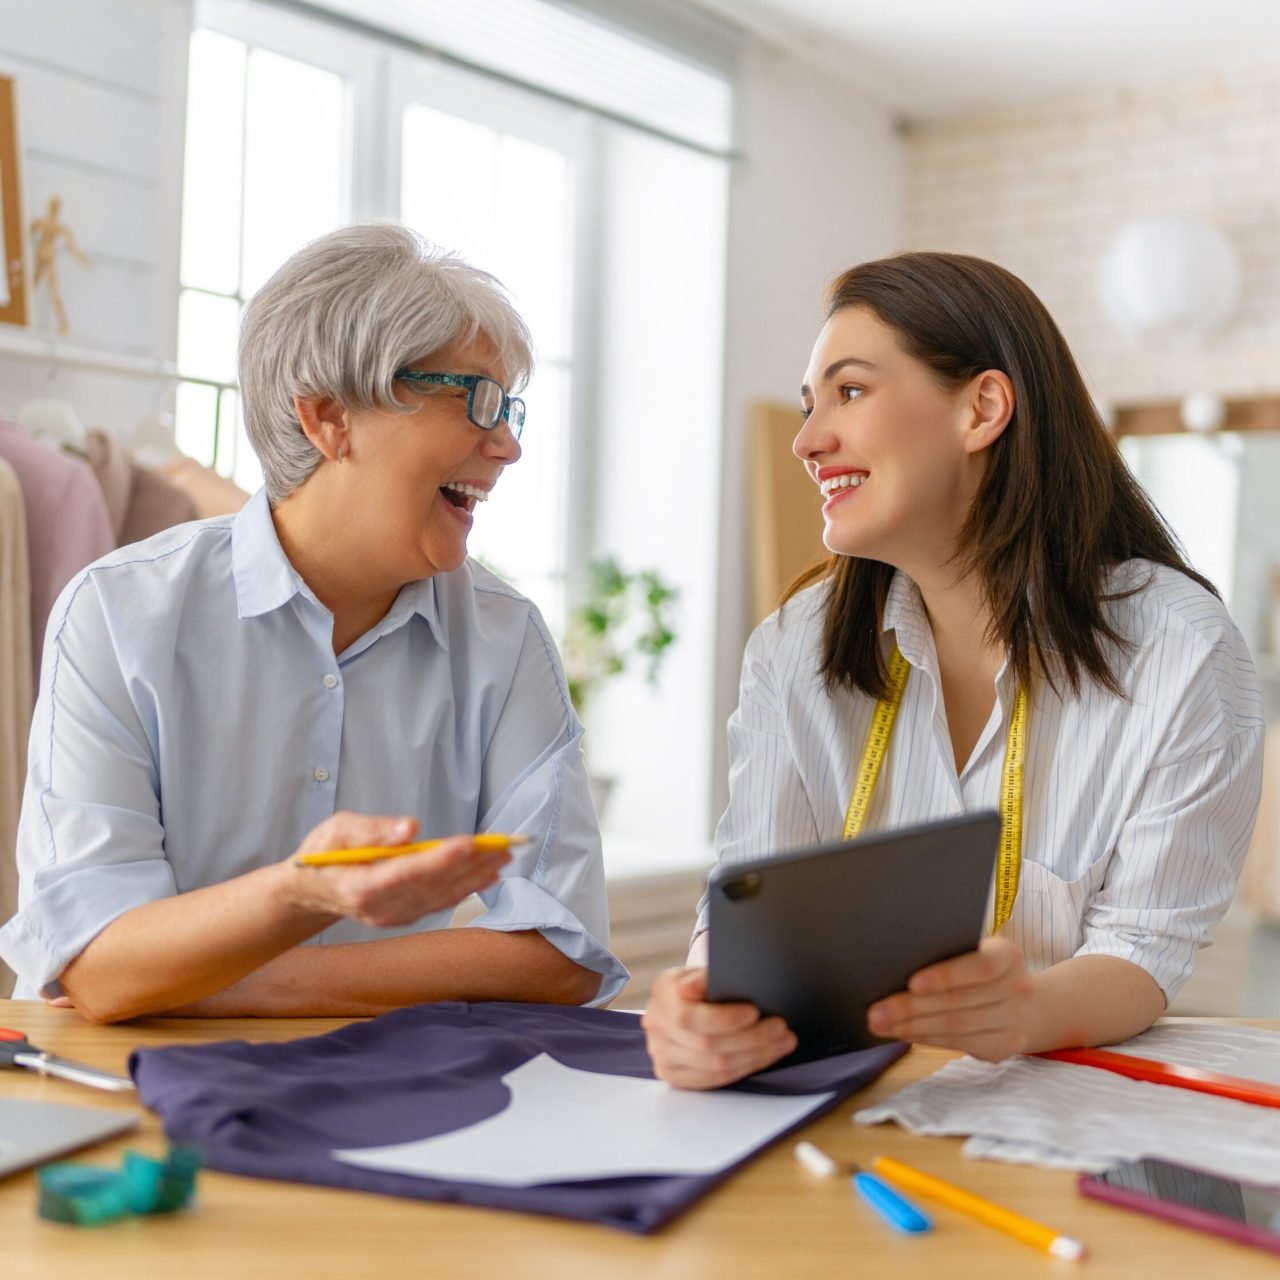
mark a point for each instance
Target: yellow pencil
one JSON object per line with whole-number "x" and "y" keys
{"x": 1014, "y": 1224}
{"x": 488, "y": 842}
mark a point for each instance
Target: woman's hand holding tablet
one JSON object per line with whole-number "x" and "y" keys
{"x": 980, "y": 1003}
{"x": 818, "y": 937}
{"x": 696, "y": 1045}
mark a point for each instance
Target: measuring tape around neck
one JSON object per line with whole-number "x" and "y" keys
{"x": 1009, "y": 858}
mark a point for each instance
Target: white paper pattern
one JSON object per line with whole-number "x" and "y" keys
{"x": 566, "y": 1125}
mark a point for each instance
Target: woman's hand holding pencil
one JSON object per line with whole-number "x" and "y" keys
{"x": 367, "y": 877}
{"x": 484, "y": 842}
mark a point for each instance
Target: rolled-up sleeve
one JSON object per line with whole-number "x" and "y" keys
{"x": 535, "y": 780}
{"x": 90, "y": 843}
{"x": 1174, "y": 868}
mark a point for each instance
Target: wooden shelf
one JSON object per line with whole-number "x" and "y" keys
{"x": 23, "y": 342}
{"x": 1259, "y": 413}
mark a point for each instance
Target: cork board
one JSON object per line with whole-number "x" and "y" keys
{"x": 786, "y": 523}
{"x": 13, "y": 269}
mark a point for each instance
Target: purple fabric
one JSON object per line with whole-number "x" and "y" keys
{"x": 279, "y": 1110}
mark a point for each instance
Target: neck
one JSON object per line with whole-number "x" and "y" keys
{"x": 968, "y": 661}
{"x": 960, "y": 620}
{"x": 326, "y": 553}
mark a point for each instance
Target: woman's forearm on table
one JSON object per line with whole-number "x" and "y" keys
{"x": 178, "y": 950}
{"x": 368, "y": 978}
{"x": 1091, "y": 1000}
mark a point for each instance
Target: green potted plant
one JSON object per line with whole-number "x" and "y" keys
{"x": 622, "y": 618}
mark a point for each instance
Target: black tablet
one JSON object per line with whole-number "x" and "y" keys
{"x": 819, "y": 934}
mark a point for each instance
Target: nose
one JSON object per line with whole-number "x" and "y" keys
{"x": 813, "y": 439}
{"x": 501, "y": 444}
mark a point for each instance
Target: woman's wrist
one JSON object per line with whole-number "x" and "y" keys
{"x": 291, "y": 891}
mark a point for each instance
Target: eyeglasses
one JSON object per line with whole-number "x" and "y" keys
{"x": 487, "y": 403}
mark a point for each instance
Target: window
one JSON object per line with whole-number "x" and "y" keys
{"x": 504, "y": 200}
{"x": 609, "y": 235}
{"x": 270, "y": 165}
{"x": 266, "y": 171}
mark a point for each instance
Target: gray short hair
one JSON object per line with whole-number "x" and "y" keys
{"x": 341, "y": 316}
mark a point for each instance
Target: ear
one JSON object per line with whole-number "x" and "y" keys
{"x": 992, "y": 401}
{"x": 324, "y": 423}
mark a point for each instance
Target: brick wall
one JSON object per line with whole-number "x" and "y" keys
{"x": 1043, "y": 189}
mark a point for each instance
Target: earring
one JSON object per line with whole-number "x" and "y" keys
{"x": 342, "y": 452}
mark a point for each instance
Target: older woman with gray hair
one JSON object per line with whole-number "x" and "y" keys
{"x": 324, "y": 670}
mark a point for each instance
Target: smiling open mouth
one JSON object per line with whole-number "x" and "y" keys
{"x": 463, "y": 495}
{"x": 836, "y": 484}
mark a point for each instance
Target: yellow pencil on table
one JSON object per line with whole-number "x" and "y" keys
{"x": 486, "y": 842}
{"x": 994, "y": 1215}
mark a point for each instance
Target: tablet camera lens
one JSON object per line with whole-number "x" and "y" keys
{"x": 742, "y": 887}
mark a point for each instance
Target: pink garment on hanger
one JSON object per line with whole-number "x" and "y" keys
{"x": 67, "y": 522}
{"x": 139, "y": 501}
{"x": 214, "y": 495}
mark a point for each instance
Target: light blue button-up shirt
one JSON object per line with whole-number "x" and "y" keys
{"x": 194, "y": 724}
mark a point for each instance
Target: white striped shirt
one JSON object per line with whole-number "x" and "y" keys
{"x": 1137, "y": 811}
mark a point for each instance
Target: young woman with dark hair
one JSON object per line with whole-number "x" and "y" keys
{"x": 1000, "y": 580}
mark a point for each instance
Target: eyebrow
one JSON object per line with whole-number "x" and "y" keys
{"x": 832, "y": 369}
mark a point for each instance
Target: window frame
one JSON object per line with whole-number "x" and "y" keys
{"x": 382, "y": 81}
{"x": 606, "y": 350}
{"x": 509, "y": 109}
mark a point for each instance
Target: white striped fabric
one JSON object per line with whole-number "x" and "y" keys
{"x": 1137, "y": 812}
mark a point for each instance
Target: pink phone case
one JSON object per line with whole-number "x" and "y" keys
{"x": 1199, "y": 1219}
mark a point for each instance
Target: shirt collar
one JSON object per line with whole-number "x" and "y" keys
{"x": 265, "y": 579}
{"x": 905, "y": 616}
{"x": 419, "y": 598}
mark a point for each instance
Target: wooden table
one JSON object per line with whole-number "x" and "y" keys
{"x": 771, "y": 1219}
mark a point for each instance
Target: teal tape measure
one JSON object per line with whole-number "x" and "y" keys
{"x": 90, "y": 1195}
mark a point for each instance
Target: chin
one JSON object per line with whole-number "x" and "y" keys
{"x": 860, "y": 543}
{"x": 846, "y": 546}
{"x": 447, "y": 562}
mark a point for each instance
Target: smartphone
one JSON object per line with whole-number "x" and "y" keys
{"x": 1242, "y": 1211}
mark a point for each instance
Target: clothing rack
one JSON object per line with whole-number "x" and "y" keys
{"x": 60, "y": 354}
{"x": 21, "y": 342}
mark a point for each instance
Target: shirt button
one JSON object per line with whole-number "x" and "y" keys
{"x": 330, "y": 681}
{"x": 321, "y": 774}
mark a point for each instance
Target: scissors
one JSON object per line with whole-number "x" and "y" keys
{"x": 17, "y": 1051}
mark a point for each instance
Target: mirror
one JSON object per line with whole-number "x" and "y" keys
{"x": 13, "y": 276}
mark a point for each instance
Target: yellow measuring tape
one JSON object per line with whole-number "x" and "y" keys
{"x": 1009, "y": 860}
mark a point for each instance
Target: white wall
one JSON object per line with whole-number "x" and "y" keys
{"x": 101, "y": 91}
{"x": 1043, "y": 189}
{"x": 820, "y": 187}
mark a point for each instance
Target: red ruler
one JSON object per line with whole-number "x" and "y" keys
{"x": 1255, "y": 1091}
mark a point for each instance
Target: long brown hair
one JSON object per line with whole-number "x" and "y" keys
{"x": 1057, "y": 507}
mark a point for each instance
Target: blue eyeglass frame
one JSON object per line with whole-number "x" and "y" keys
{"x": 470, "y": 381}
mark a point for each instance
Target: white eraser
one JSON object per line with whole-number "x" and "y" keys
{"x": 815, "y": 1160}
{"x": 1066, "y": 1247}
